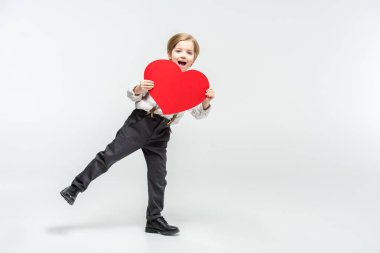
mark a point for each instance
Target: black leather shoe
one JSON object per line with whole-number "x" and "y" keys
{"x": 160, "y": 226}
{"x": 70, "y": 193}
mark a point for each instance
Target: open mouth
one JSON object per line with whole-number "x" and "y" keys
{"x": 182, "y": 63}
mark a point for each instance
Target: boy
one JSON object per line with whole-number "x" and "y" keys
{"x": 147, "y": 128}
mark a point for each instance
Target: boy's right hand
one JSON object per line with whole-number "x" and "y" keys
{"x": 143, "y": 86}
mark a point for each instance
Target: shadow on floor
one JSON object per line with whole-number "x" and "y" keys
{"x": 94, "y": 225}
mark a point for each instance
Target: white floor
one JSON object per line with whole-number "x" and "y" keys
{"x": 257, "y": 215}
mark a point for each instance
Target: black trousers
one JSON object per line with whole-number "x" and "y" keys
{"x": 151, "y": 134}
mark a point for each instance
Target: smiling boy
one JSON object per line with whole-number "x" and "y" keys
{"x": 148, "y": 129}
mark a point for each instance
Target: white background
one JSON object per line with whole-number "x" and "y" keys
{"x": 287, "y": 161}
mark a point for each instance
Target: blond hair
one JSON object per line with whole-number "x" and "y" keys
{"x": 173, "y": 41}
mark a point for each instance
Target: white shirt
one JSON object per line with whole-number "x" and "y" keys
{"x": 146, "y": 102}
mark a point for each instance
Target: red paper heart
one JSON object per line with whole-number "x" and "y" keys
{"x": 175, "y": 91}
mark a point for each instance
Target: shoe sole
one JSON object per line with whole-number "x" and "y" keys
{"x": 156, "y": 231}
{"x": 67, "y": 199}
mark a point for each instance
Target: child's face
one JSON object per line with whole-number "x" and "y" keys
{"x": 183, "y": 54}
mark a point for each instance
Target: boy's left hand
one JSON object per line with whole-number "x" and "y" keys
{"x": 210, "y": 94}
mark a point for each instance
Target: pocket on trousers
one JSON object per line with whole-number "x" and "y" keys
{"x": 133, "y": 118}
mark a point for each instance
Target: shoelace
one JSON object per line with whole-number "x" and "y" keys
{"x": 164, "y": 220}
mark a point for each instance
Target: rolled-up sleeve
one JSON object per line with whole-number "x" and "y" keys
{"x": 199, "y": 113}
{"x": 133, "y": 96}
